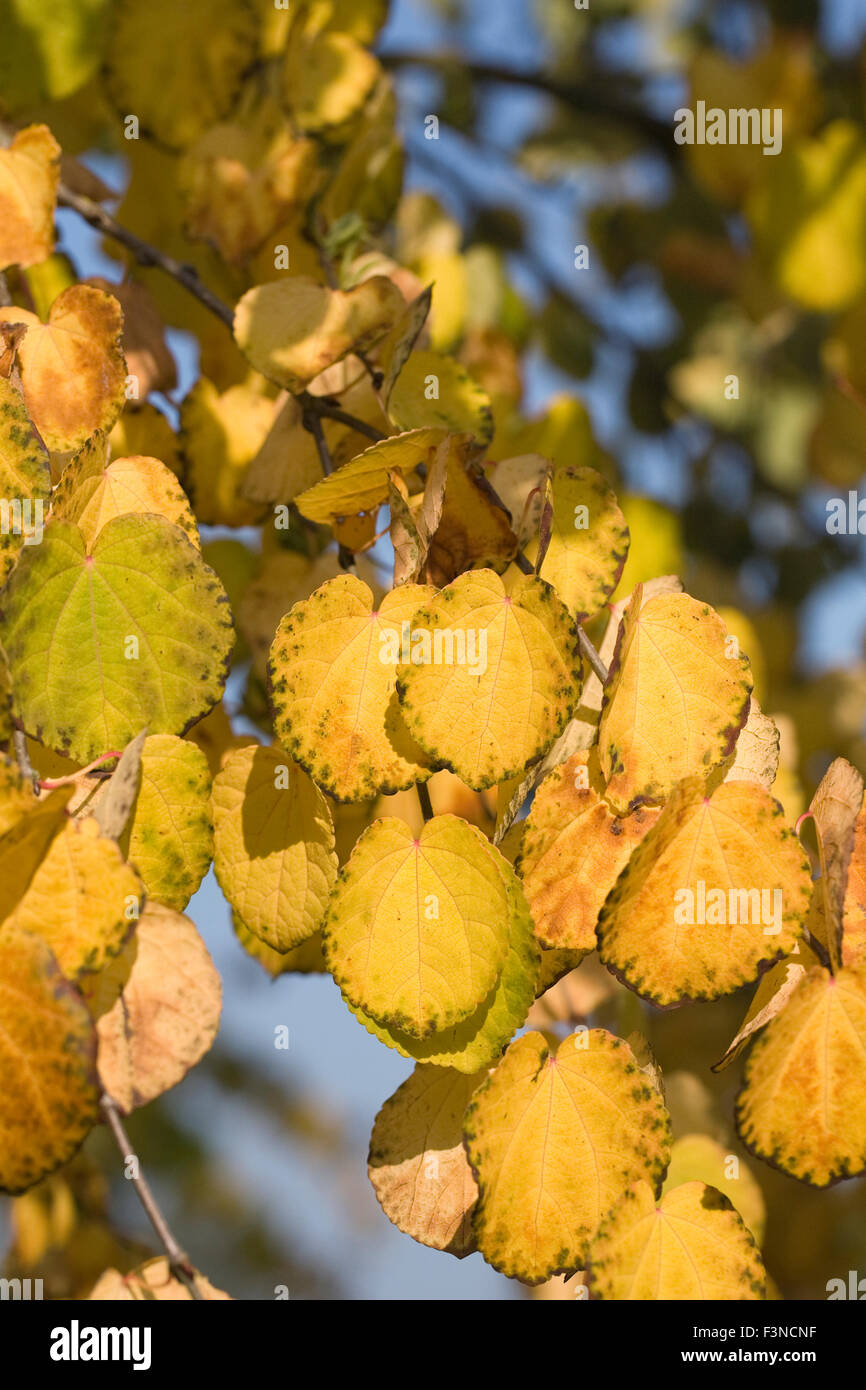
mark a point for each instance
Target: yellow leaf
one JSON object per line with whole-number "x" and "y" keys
{"x": 274, "y": 852}
{"x": 91, "y": 493}
{"x": 756, "y": 754}
{"x": 478, "y": 1041}
{"x": 17, "y": 796}
{"x": 775, "y": 988}
{"x": 362, "y": 484}
{"x": 83, "y": 899}
{"x": 801, "y": 1107}
{"x": 169, "y": 838}
{"x": 573, "y": 851}
{"x": 552, "y": 1137}
{"x": 588, "y": 542}
{"x": 149, "y": 362}
{"x": 220, "y": 436}
{"x": 473, "y": 532}
{"x": 187, "y": 84}
{"x": 854, "y": 905}
{"x": 434, "y": 391}
{"x": 810, "y": 210}
{"x": 167, "y": 1012}
{"x": 675, "y": 701}
{"x": 699, "y": 1158}
{"x": 72, "y": 367}
{"x": 145, "y": 431}
{"x": 290, "y": 330}
{"x": 690, "y": 1245}
{"x": 287, "y": 461}
{"x": 655, "y": 545}
{"x": 492, "y": 678}
{"x": 24, "y": 844}
{"x": 151, "y": 1281}
{"x": 332, "y": 671}
{"x": 718, "y": 889}
{"x": 836, "y": 808}
{"x": 417, "y": 1163}
{"x": 417, "y": 930}
{"x": 29, "y": 174}
{"x": 50, "y": 1094}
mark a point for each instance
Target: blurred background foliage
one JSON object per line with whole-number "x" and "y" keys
{"x": 603, "y": 284}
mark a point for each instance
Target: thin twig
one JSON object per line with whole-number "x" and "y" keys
{"x": 323, "y": 406}
{"x": 178, "y": 1259}
{"x": 19, "y": 743}
{"x": 424, "y": 798}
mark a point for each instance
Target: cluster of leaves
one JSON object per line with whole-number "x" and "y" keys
{"x": 354, "y": 380}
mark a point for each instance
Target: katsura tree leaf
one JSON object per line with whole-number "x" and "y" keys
{"x": 25, "y": 479}
{"x": 7, "y": 727}
{"x": 17, "y": 796}
{"x": 91, "y": 493}
{"x": 700, "y": 1158}
{"x": 573, "y": 851}
{"x": 287, "y": 461}
{"x": 72, "y": 367}
{"x": 588, "y": 542}
{"x": 674, "y": 700}
{"x": 691, "y": 1244}
{"x": 472, "y": 530}
{"x": 185, "y": 85}
{"x": 479, "y": 1040}
{"x": 50, "y": 1094}
{"x": 138, "y": 634}
{"x": 672, "y": 927}
{"x": 417, "y": 1163}
{"x": 492, "y": 677}
{"x": 48, "y": 54}
{"x": 157, "y": 1008}
{"x": 434, "y": 391}
{"x": 290, "y": 330}
{"x": 333, "y": 675}
{"x": 114, "y": 801}
{"x": 362, "y": 484}
{"x": 24, "y": 845}
{"x": 29, "y": 174}
{"x": 169, "y": 837}
{"x": 83, "y": 899}
{"x": 151, "y": 1282}
{"x": 801, "y": 1107}
{"x": 835, "y": 808}
{"x": 552, "y": 1137}
{"x": 417, "y": 930}
{"x": 274, "y": 854}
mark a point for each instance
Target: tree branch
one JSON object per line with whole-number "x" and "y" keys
{"x": 178, "y": 1259}
{"x": 424, "y": 798}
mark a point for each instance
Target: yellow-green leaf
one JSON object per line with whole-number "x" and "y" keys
{"x": 274, "y": 854}
{"x": 491, "y": 678}
{"x": 92, "y": 493}
{"x": 552, "y": 1137}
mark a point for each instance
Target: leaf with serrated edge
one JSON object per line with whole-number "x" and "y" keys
{"x": 460, "y": 404}
{"x": 25, "y": 478}
{"x": 480, "y": 1039}
{"x": 734, "y": 842}
{"x": 83, "y": 899}
{"x": 674, "y": 701}
{"x": 157, "y": 1008}
{"x": 66, "y": 617}
{"x": 291, "y": 330}
{"x": 417, "y": 1163}
{"x": 552, "y": 1137}
{"x": 91, "y": 492}
{"x": 588, "y": 542}
{"x": 756, "y": 755}
{"x": 573, "y": 852}
{"x": 802, "y": 1107}
{"x": 306, "y": 959}
{"x": 691, "y": 1244}
{"x": 274, "y": 855}
{"x": 333, "y": 675}
{"x": 417, "y": 930}
{"x": 490, "y": 710}
{"x": 700, "y": 1158}
{"x": 169, "y": 838}
{"x": 49, "y": 1099}
{"x": 72, "y": 367}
